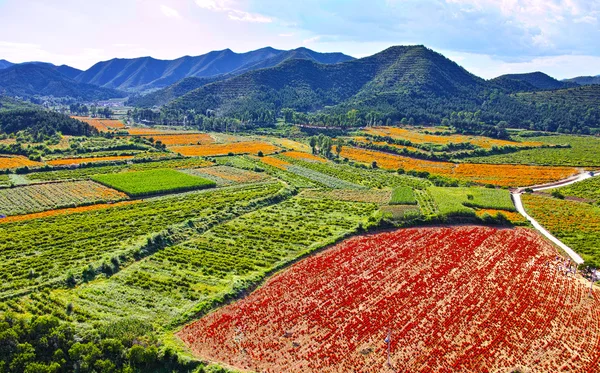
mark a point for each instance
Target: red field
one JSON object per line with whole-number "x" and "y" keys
{"x": 466, "y": 299}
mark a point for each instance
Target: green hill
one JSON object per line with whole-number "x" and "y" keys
{"x": 308, "y": 86}
{"x": 530, "y": 82}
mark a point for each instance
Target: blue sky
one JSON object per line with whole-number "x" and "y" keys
{"x": 488, "y": 37}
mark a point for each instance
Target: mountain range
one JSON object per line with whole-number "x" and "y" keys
{"x": 585, "y": 80}
{"x": 298, "y": 78}
{"x": 40, "y": 79}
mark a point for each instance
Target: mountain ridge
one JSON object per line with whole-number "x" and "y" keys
{"x": 146, "y": 73}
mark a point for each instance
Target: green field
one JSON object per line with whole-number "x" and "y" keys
{"x": 461, "y": 201}
{"x": 86, "y": 173}
{"x": 146, "y": 183}
{"x": 172, "y": 285}
{"x": 584, "y": 152}
{"x": 45, "y": 251}
{"x": 588, "y": 189}
{"x": 403, "y": 196}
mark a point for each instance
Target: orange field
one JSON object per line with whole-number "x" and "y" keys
{"x": 184, "y": 139}
{"x": 155, "y": 131}
{"x": 414, "y": 136}
{"x": 364, "y": 140}
{"x": 73, "y": 210}
{"x": 236, "y": 175}
{"x": 288, "y": 144}
{"x": 275, "y": 162}
{"x": 463, "y": 299}
{"x": 513, "y": 217}
{"x": 304, "y": 156}
{"x": 101, "y": 124}
{"x": 243, "y": 147}
{"x": 70, "y": 161}
{"x": 501, "y": 175}
{"x": 8, "y": 162}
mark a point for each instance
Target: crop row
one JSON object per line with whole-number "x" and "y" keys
{"x": 371, "y": 178}
{"x": 35, "y": 252}
{"x": 466, "y": 299}
{"x": 35, "y": 198}
{"x": 180, "y": 280}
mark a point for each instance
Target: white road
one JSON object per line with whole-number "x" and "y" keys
{"x": 516, "y": 196}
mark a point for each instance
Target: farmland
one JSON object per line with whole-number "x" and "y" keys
{"x": 244, "y": 147}
{"x": 587, "y": 189}
{"x": 454, "y": 299}
{"x": 145, "y": 183}
{"x": 113, "y": 232}
{"x": 576, "y": 224}
{"x": 181, "y": 280}
{"x": 501, "y": 175}
{"x": 41, "y": 197}
{"x": 101, "y": 124}
{"x": 74, "y": 161}
{"x": 42, "y": 251}
{"x": 10, "y": 162}
{"x": 583, "y": 151}
{"x": 424, "y": 136}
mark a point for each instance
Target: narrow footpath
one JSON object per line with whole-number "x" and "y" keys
{"x": 516, "y": 197}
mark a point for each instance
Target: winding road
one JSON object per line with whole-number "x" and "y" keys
{"x": 516, "y": 197}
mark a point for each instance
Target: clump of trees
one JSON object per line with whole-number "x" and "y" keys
{"x": 323, "y": 145}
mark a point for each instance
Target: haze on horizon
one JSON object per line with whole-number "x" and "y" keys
{"x": 487, "y": 37}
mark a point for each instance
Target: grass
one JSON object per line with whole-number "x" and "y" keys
{"x": 584, "y": 151}
{"x": 145, "y": 183}
{"x": 403, "y": 196}
{"x": 576, "y": 224}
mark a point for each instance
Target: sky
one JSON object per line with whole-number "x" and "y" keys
{"x": 487, "y": 37}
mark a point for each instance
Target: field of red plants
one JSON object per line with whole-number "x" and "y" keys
{"x": 468, "y": 299}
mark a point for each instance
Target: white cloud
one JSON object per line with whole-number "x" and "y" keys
{"x": 238, "y": 15}
{"x": 169, "y": 12}
{"x": 233, "y": 13}
{"x": 287, "y": 35}
{"x": 311, "y": 40}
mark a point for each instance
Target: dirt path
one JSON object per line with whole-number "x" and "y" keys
{"x": 516, "y": 197}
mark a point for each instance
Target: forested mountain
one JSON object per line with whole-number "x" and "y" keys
{"x": 38, "y": 79}
{"x": 584, "y": 80}
{"x": 530, "y": 82}
{"x": 304, "y": 85}
{"x": 146, "y": 73}
{"x": 4, "y": 64}
{"x": 409, "y": 83}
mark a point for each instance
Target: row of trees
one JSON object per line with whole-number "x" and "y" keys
{"x": 323, "y": 145}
